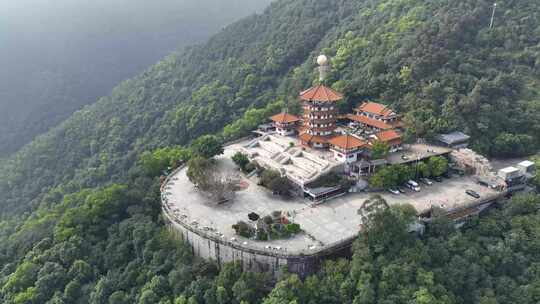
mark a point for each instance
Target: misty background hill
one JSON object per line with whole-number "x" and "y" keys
{"x": 57, "y": 56}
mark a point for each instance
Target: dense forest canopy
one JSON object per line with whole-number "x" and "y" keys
{"x": 58, "y": 56}
{"x": 80, "y": 219}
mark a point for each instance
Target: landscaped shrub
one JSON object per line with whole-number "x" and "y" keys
{"x": 268, "y": 219}
{"x": 243, "y": 229}
{"x": 293, "y": 228}
{"x": 250, "y": 167}
{"x": 241, "y": 160}
{"x": 270, "y": 228}
{"x": 262, "y": 235}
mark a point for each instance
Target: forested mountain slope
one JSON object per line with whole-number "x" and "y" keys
{"x": 58, "y": 56}
{"x": 77, "y": 203}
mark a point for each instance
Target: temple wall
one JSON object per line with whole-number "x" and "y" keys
{"x": 222, "y": 251}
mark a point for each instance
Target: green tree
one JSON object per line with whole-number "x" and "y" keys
{"x": 275, "y": 182}
{"x": 207, "y": 146}
{"x": 437, "y": 165}
{"x": 386, "y": 230}
{"x": 148, "y": 297}
{"x": 513, "y": 145}
{"x": 379, "y": 150}
{"x": 423, "y": 169}
{"x": 243, "y": 229}
{"x": 390, "y": 176}
{"x": 288, "y": 290}
{"x": 280, "y": 185}
{"x": 241, "y": 160}
{"x": 199, "y": 170}
{"x": 181, "y": 300}
{"x": 118, "y": 297}
{"x": 162, "y": 159}
{"x": 536, "y": 180}
{"x": 23, "y": 278}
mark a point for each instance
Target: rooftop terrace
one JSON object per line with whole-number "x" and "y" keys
{"x": 414, "y": 152}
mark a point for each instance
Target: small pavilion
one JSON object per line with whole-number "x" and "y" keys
{"x": 347, "y": 148}
{"x": 285, "y": 123}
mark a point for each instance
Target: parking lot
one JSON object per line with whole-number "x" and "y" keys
{"x": 449, "y": 194}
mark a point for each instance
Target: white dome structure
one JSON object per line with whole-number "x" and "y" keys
{"x": 322, "y": 60}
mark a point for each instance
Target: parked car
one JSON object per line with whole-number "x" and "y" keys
{"x": 473, "y": 193}
{"x": 426, "y": 181}
{"x": 483, "y": 183}
{"x": 413, "y": 183}
{"x": 394, "y": 191}
{"x": 413, "y": 187}
{"x": 401, "y": 190}
{"x": 438, "y": 179}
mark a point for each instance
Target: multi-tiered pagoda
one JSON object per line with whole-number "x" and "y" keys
{"x": 320, "y": 111}
{"x": 320, "y": 116}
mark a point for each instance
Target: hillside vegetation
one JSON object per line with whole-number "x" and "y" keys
{"x": 80, "y": 213}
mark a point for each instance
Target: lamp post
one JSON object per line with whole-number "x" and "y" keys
{"x": 416, "y": 166}
{"x": 493, "y": 15}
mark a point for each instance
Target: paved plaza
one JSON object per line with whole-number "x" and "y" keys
{"x": 323, "y": 225}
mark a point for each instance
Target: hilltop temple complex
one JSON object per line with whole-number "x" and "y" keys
{"x": 322, "y": 140}
{"x": 325, "y": 154}
{"x": 318, "y": 127}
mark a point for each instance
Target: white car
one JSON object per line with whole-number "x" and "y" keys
{"x": 393, "y": 191}
{"x": 426, "y": 181}
{"x": 413, "y": 183}
{"x": 413, "y": 187}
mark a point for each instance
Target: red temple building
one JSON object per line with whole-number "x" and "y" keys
{"x": 390, "y": 137}
{"x": 320, "y": 116}
{"x": 376, "y": 116}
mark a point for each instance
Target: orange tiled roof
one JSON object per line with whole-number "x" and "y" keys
{"x": 306, "y": 137}
{"x": 285, "y": 118}
{"x": 347, "y": 142}
{"x": 375, "y": 108}
{"x": 388, "y": 136}
{"x": 370, "y": 121}
{"x": 320, "y": 93}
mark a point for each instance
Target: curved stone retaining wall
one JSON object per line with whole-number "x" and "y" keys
{"x": 213, "y": 248}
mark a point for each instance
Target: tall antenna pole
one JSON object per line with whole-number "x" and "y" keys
{"x": 493, "y": 16}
